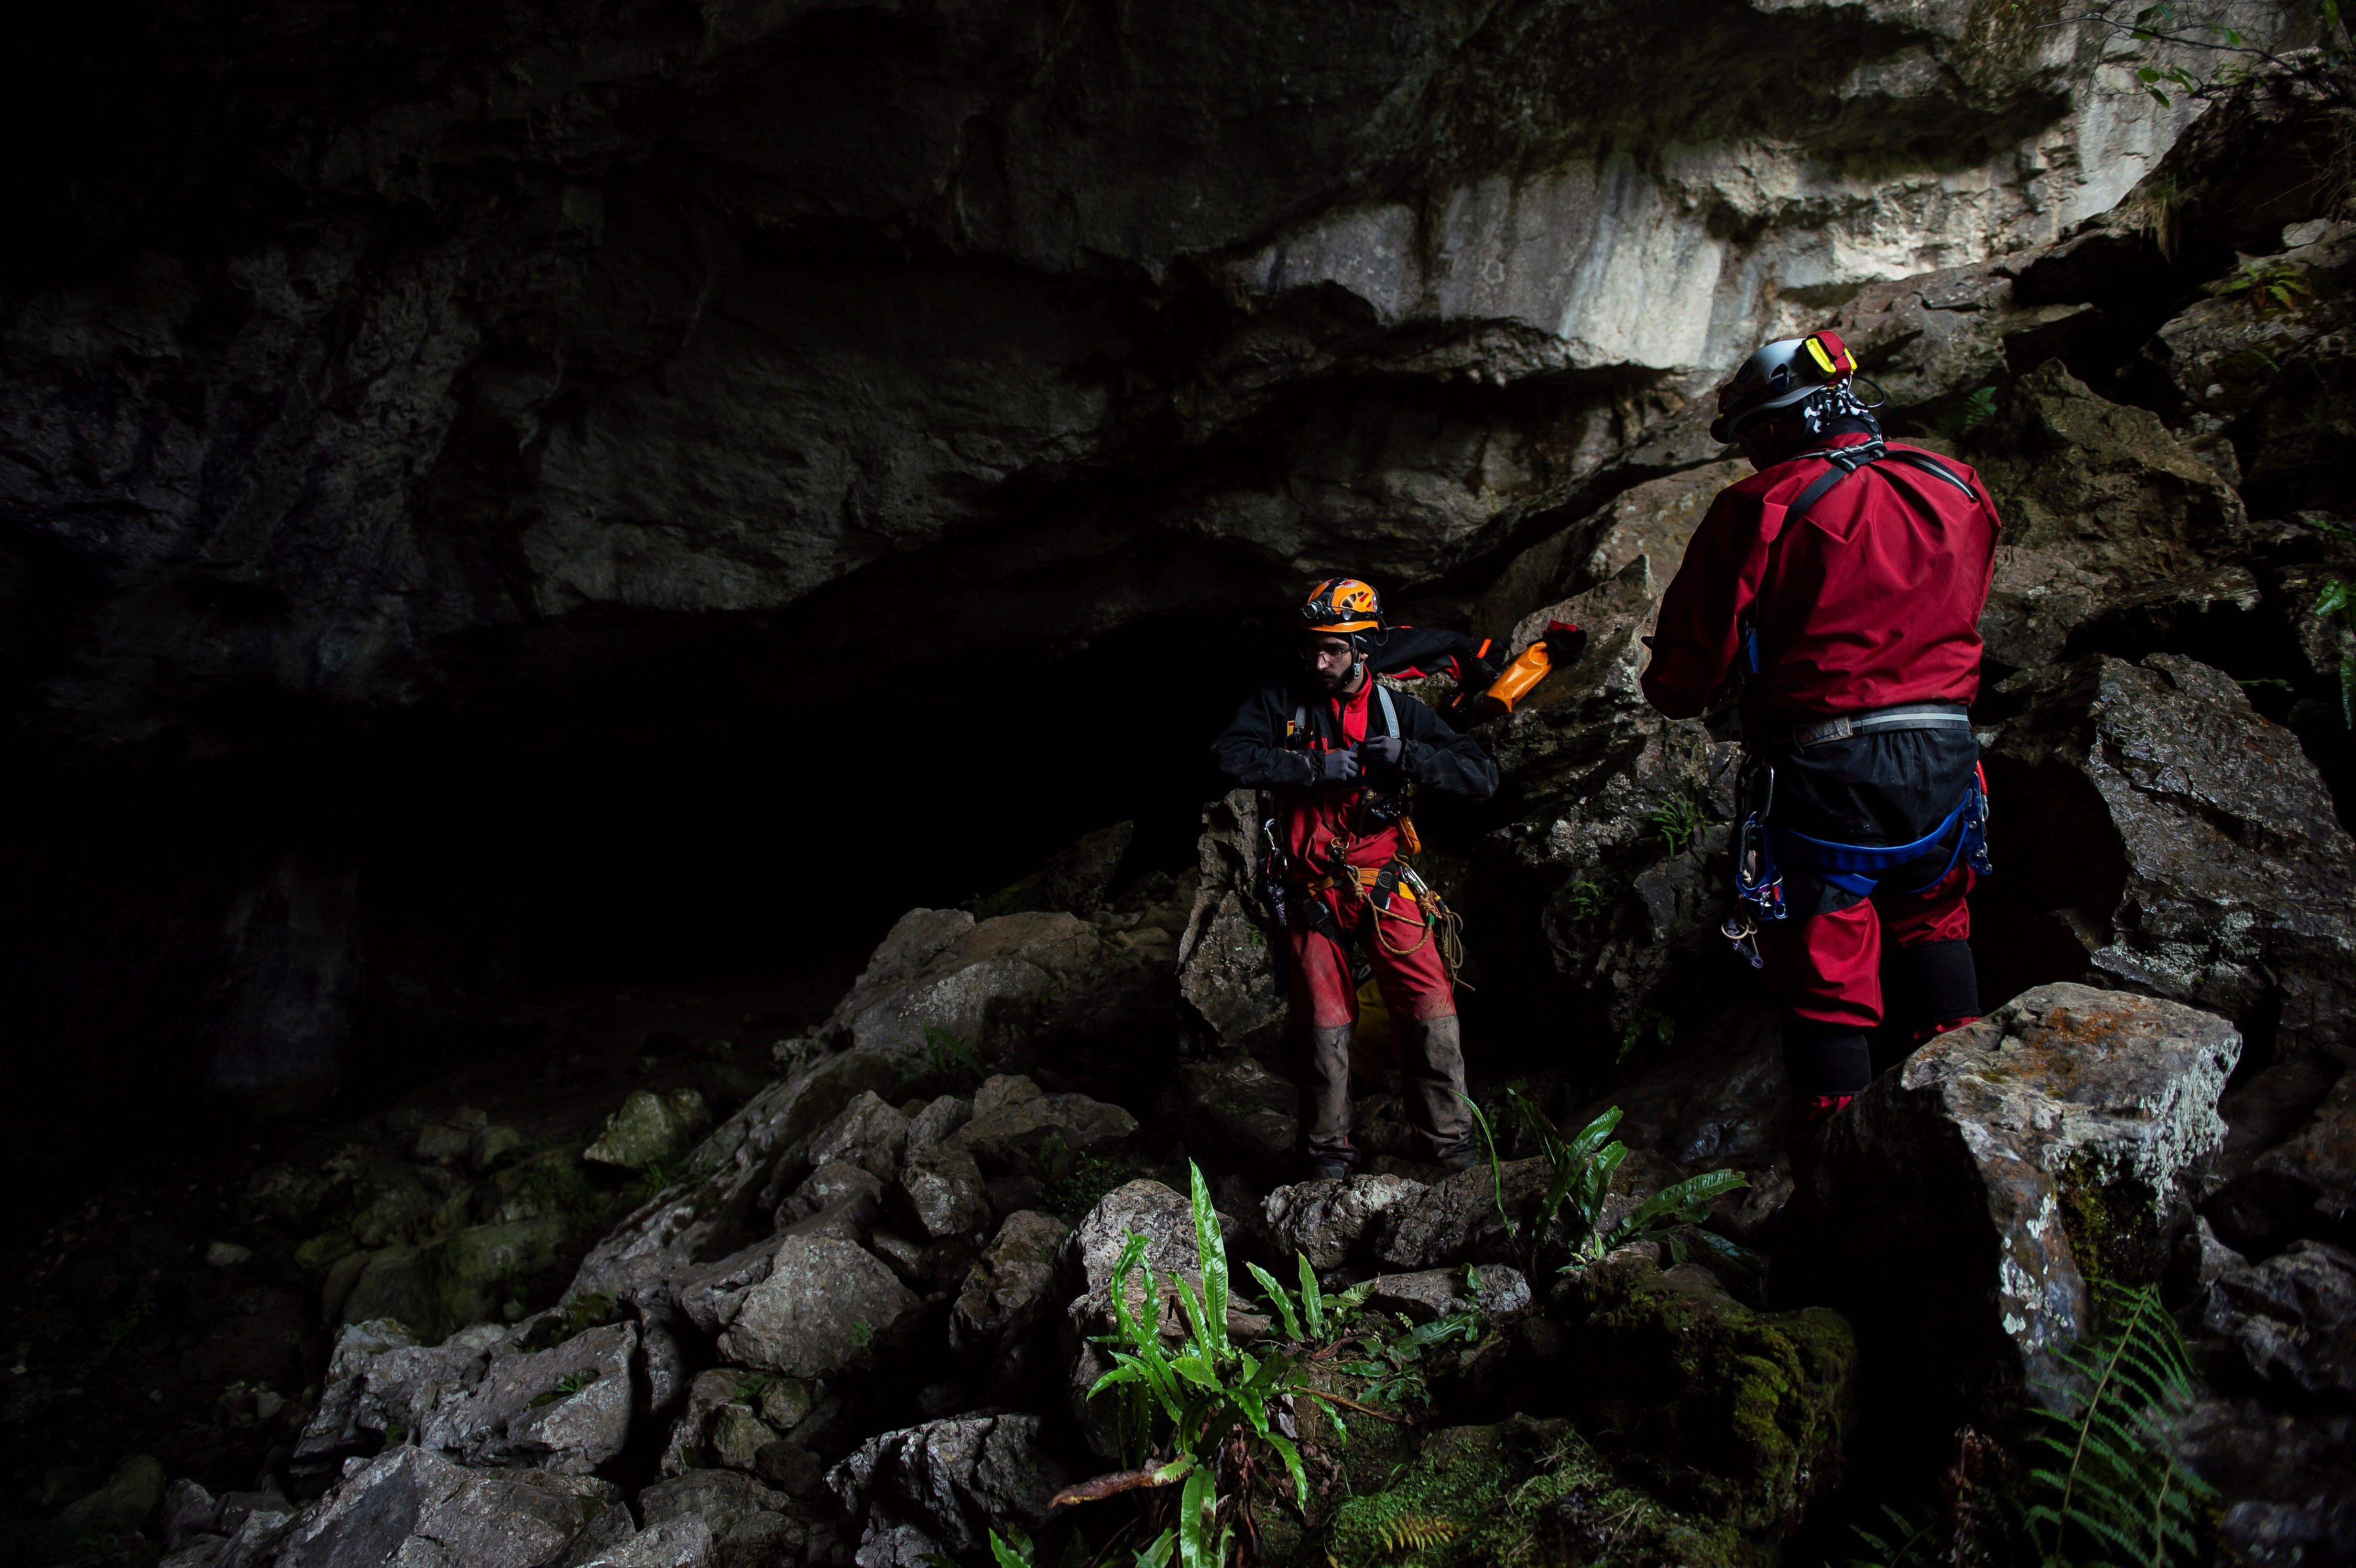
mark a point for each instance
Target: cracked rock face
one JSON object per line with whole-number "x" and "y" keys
{"x": 1980, "y": 1186}
{"x": 2189, "y": 842}
{"x": 951, "y": 1478}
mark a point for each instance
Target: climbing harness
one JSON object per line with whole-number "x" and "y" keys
{"x": 1760, "y": 848}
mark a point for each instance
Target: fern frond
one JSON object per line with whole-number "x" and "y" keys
{"x": 1416, "y": 1532}
{"x": 2117, "y": 1493}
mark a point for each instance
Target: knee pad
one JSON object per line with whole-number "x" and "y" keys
{"x": 1826, "y": 1059}
{"x": 1938, "y": 983}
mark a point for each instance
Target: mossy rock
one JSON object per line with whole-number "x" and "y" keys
{"x": 1526, "y": 1492}
{"x": 1733, "y": 1412}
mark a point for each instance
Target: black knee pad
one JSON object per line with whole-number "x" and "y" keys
{"x": 1826, "y": 1059}
{"x": 1940, "y": 983}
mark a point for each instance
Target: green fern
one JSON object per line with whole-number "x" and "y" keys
{"x": 1416, "y": 1532}
{"x": 1679, "y": 821}
{"x": 1913, "y": 1541}
{"x": 2114, "y": 1496}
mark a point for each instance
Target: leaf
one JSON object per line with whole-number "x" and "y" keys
{"x": 1312, "y": 1299}
{"x": 1196, "y": 1549}
{"x": 1279, "y": 1298}
{"x": 1011, "y": 1549}
{"x": 1158, "y": 1554}
{"x": 1292, "y": 1456}
{"x": 1211, "y": 1248}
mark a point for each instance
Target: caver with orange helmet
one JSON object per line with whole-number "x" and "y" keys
{"x": 1837, "y": 594}
{"x": 1336, "y": 751}
{"x": 1343, "y": 604}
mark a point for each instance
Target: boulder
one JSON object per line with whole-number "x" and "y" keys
{"x": 1166, "y": 1220}
{"x": 1325, "y": 1220}
{"x": 2185, "y": 844}
{"x": 683, "y": 1542}
{"x": 1454, "y": 1219}
{"x": 1016, "y": 985}
{"x": 2103, "y": 507}
{"x": 869, "y": 1134}
{"x": 936, "y": 1121}
{"x": 410, "y": 1505}
{"x": 1504, "y": 1295}
{"x": 820, "y": 1309}
{"x": 2274, "y": 1186}
{"x": 380, "y": 1380}
{"x": 649, "y": 1129}
{"x": 1232, "y": 1107}
{"x": 565, "y": 1410}
{"x": 1019, "y": 1129}
{"x": 2285, "y": 1480}
{"x": 2292, "y": 1318}
{"x": 685, "y": 1450}
{"x": 1964, "y": 1201}
{"x": 952, "y": 1479}
{"x": 1734, "y": 1414}
{"x": 721, "y": 1499}
{"x": 1010, "y": 1284}
{"x": 1226, "y": 968}
{"x": 944, "y": 1189}
{"x": 121, "y": 1506}
{"x": 1075, "y": 880}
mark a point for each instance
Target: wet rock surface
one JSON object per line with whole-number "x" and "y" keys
{"x": 1962, "y": 1204}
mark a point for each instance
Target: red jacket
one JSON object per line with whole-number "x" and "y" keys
{"x": 1872, "y": 600}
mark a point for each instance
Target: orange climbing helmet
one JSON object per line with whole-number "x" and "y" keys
{"x": 1787, "y": 372}
{"x": 1340, "y": 605}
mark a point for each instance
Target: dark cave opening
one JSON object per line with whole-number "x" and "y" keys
{"x": 411, "y": 878}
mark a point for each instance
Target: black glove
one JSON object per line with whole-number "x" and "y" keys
{"x": 1335, "y": 768}
{"x": 1381, "y": 752}
{"x": 1564, "y": 643}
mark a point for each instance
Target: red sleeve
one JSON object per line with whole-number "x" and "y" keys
{"x": 1693, "y": 648}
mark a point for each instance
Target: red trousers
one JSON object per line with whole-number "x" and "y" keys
{"x": 1414, "y": 984}
{"x": 1828, "y": 969}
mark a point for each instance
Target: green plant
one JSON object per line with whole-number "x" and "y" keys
{"x": 1912, "y": 1542}
{"x": 2115, "y": 1493}
{"x": 1069, "y": 1196}
{"x": 1586, "y": 902}
{"x": 652, "y": 1183}
{"x": 1649, "y": 1027}
{"x": 951, "y": 1054}
{"x": 1394, "y": 1367}
{"x": 1680, "y": 821}
{"x": 1977, "y": 407}
{"x": 1583, "y": 1168}
{"x": 2333, "y": 601}
{"x": 1313, "y": 1316}
{"x": 1212, "y": 1393}
{"x": 2269, "y": 285}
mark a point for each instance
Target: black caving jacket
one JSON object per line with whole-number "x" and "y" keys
{"x": 1317, "y": 824}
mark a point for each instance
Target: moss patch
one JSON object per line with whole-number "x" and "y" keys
{"x": 1522, "y": 1492}
{"x": 1735, "y": 1413}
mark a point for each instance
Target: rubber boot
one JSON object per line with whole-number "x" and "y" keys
{"x": 1431, "y": 1085}
{"x": 1325, "y": 1149}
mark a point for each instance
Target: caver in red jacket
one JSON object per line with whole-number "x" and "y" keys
{"x": 1870, "y": 600}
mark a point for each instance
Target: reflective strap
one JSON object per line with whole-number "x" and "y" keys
{"x": 1908, "y": 715}
{"x": 1930, "y": 464}
{"x": 1390, "y": 713}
